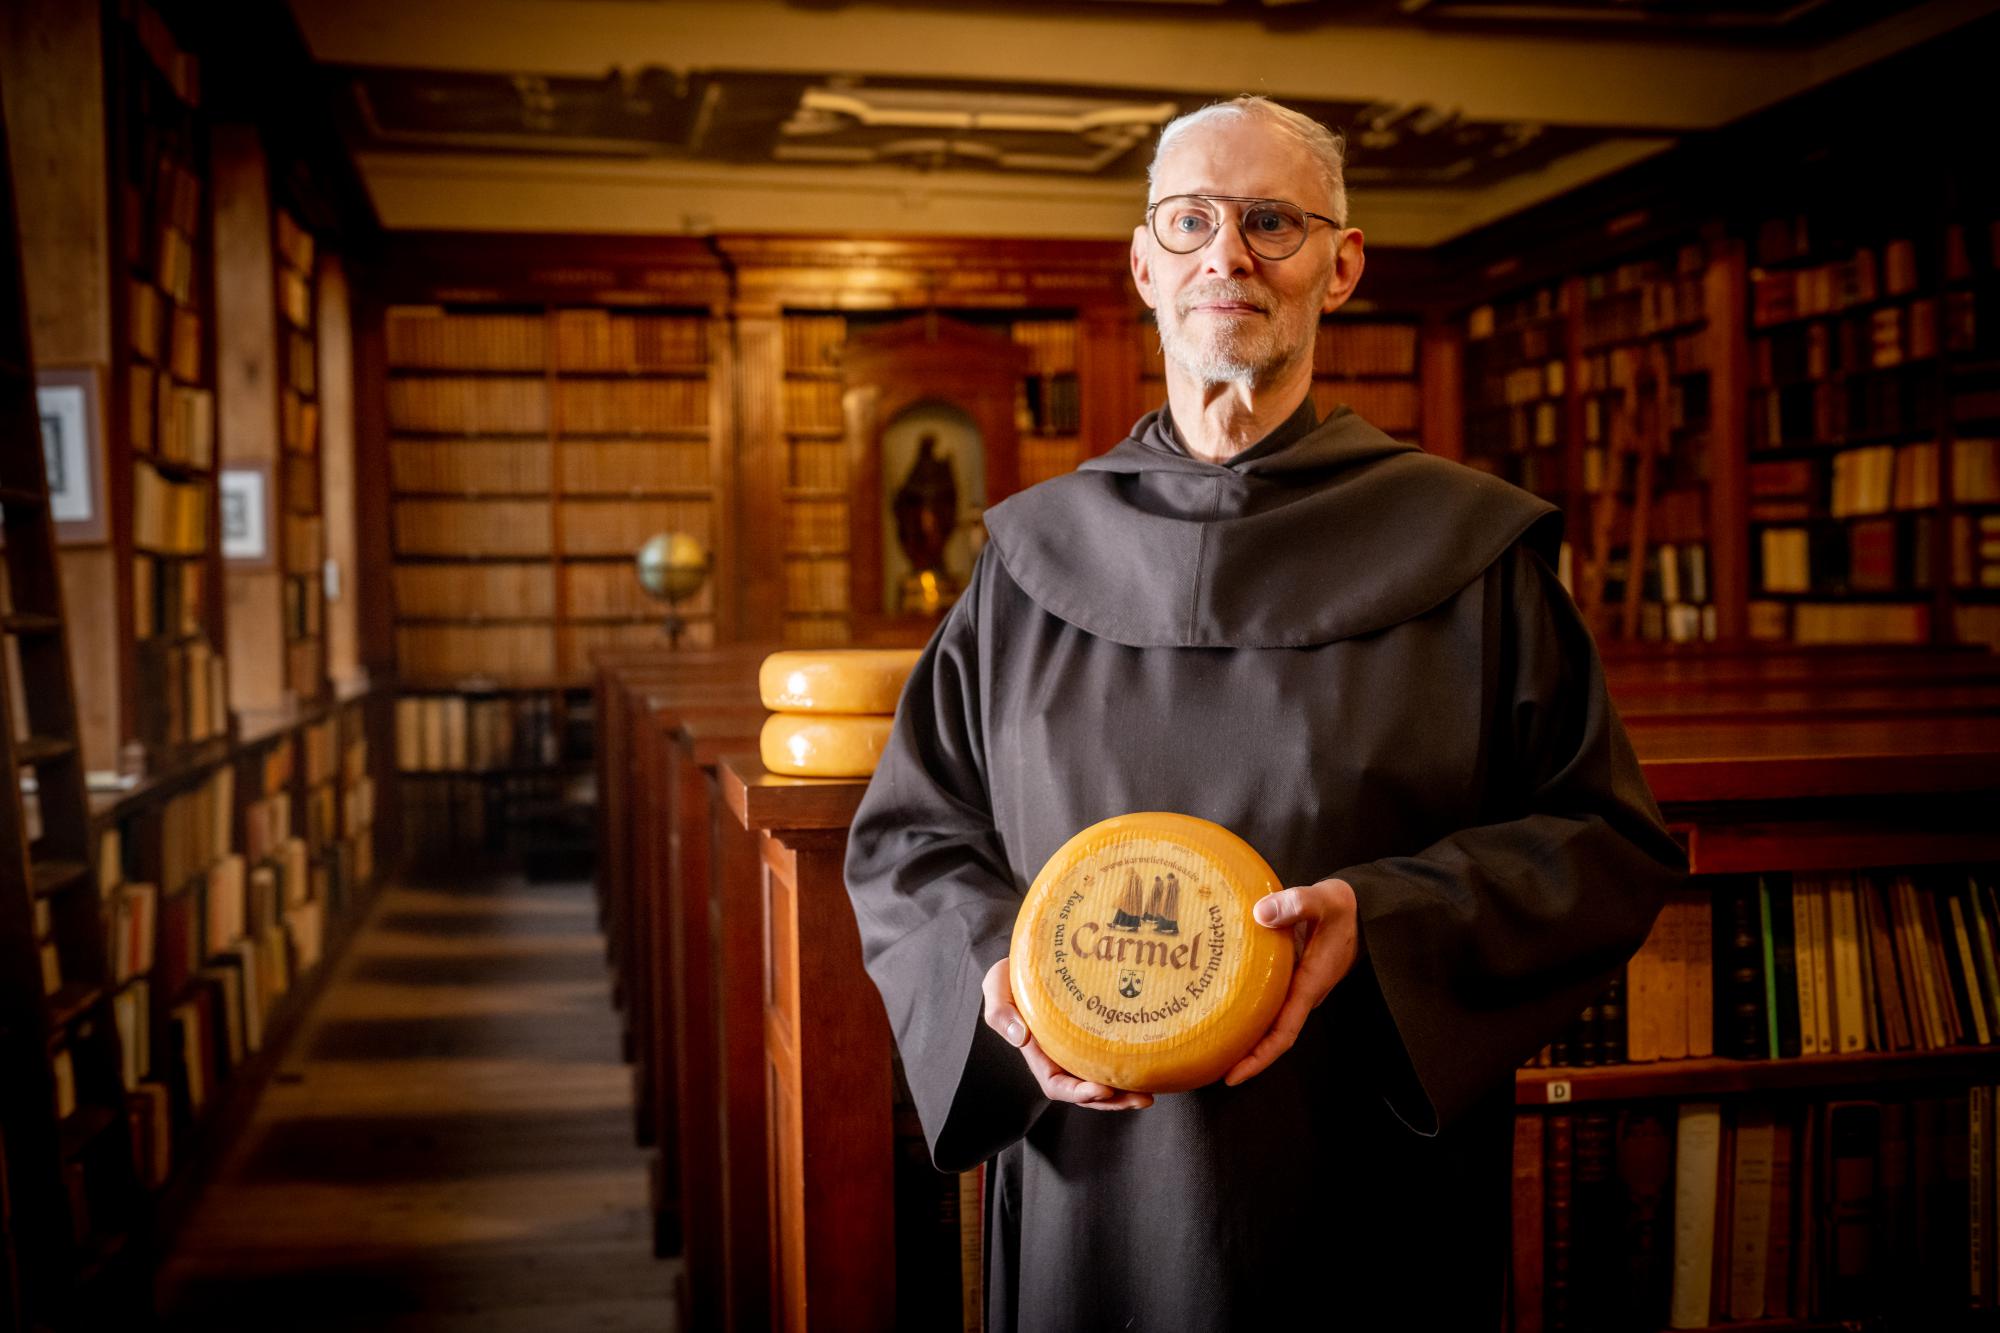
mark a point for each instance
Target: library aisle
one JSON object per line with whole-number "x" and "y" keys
{"x": 449, "y": 1145}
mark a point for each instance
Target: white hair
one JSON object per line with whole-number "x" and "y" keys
{"x": 1328, "y": 149}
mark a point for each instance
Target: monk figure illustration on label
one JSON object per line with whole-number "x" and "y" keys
{"x": 1128, "y": 914}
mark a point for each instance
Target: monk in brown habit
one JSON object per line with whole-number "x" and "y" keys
{"x": 1358, "y": 657}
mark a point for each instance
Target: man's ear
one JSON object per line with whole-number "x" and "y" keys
{"x": 1348, "y": 261}
{"x": 1142, "y": 268}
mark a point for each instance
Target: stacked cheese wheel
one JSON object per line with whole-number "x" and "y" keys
{"x": 1136, "y": 961}
{"x": 832, "y": 709}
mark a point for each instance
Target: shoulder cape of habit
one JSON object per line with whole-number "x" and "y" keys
{"x": 1319, "y": 532}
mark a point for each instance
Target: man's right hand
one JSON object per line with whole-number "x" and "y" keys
{"x": 1058, "y": 1084}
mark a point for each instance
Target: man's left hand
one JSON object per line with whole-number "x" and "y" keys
{"x": 1326, "y": 929}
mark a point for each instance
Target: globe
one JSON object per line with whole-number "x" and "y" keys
{"x": 672, "y": 566}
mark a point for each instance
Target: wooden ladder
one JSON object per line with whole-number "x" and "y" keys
{"x": 75, "y": 1196}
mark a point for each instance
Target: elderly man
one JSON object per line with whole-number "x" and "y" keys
{"x": 1357, "y": 657}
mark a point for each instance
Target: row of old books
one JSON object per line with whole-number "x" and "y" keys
{"x": 504, "y": 653}
{"x": 1881, "y": 340}
{"x": 479, "y": 591}
{"x": 188, "y": 833}
{"x": 167, "y": 335}
{"x": 455, "y": 733}
{"x": 301, "y": 536}
{"x": 524, "y": 467}
{"x": 170, "y": 420}
{"x": 1840, "y": 622}
{"x": 1975, "y": 550}
{"x": 1868, "y": 274}
{"x": 1835, "y": 411}
{"x": 294, "y": 243}
{"x": 631, "y": 406}
{"x": 1048, "y": 405}
{"x": 298, "y": 424}
{"x": 482, "y": 527}
{"x": 1656, "y": 303}
{"x": 301, "y": 362}
{"x": 814, "y": 342}
{"x": 1344, "y": 349}
{"x": 1518, "y": 385}
{"x": 1675, "y": 601}
{"x": 183, "y": 693}
{"x": 168, "y": 517}
{"x": 601, "y": 341}
{"x": 470, "y": 405}
{"x": 1870, "y": 479}
{"x": 813, "y": 405}
{"x": 1528, "y": 322}
{"x": 1391, "y": 406}
{"x": 429, "y": 338}
{"x": 816, "y": 526}
{"x": 168, "y": 596}
{"x": 1051, "y": 345}
{"x": 1707, "y": 1213}
{"x": 818, "y": 464}
{"x": 1868, "y": 555}
{"x": 816, "y": 583}
{"x": 1775, "y": 967}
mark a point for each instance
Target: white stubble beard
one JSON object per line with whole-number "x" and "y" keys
{"x": 1237, "y": 352}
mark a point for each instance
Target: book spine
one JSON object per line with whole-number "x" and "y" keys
{"x": 1698, "y": 1143}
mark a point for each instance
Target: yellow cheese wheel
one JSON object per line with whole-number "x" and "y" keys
{"x": 1135, "y": 960}
{"x": 841, "y": 680}
{"x": 823, "y": 745}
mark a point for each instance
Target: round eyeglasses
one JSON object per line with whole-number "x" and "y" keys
{"x": 1272, "y": 228}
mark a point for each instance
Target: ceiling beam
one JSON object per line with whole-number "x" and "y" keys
{"x": 1637, "y": 83}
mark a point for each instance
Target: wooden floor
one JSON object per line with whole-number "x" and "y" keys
{"x": 448, "y": 1145}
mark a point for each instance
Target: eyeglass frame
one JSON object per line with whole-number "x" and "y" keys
{"x": 1153, "y": 230}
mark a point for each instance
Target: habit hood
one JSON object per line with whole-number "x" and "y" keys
{"x": 1323, "y": 530}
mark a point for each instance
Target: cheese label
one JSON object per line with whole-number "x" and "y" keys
{"x": 1136, "y": 960}
{"x": 1140, "y": 943}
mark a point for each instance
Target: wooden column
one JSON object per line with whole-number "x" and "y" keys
{"x": 757, "y": 534}
{"x": 827, "y": 1059}
{"x": 1441, "y": 386}
{"x": 1107, "y": 372}
{"x": 1724, "y": 283}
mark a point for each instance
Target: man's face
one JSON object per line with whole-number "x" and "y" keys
{"x": 1225, "y": 314}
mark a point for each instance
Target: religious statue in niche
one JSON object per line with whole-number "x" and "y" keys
{"x": 926, "y": 513}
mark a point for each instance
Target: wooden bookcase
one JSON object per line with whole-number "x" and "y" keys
{"x": 533, "y": 452}
{"x": 816, "y": 518}
{"x": 302, "y": 536}
{"x": 1875, "y": 469}
{"x": 163, "y": 406}
{"x": 1614, "y": 393}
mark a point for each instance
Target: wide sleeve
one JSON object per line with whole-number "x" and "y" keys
{"x": 1484, "y": 945}
{"x": 936, "y": 902}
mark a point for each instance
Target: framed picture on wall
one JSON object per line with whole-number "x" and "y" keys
{"x": 68, "y": 405}
{"x": 246, "y": 514}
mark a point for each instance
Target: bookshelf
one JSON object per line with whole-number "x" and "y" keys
{"x": 71, "y": 1199}
{"x": 471, "y": 760}
{"x": 816, "y": 538}
{"x": 1795, "y": 1062}
{"x": 1875, "y": 422}
{"x": 1518, "y": 425}
{"x": 1611, "y": 392}
{"x": 533, "y": 452}
{"x": 301, "y": 522}
{"x": 163, "y": 376}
